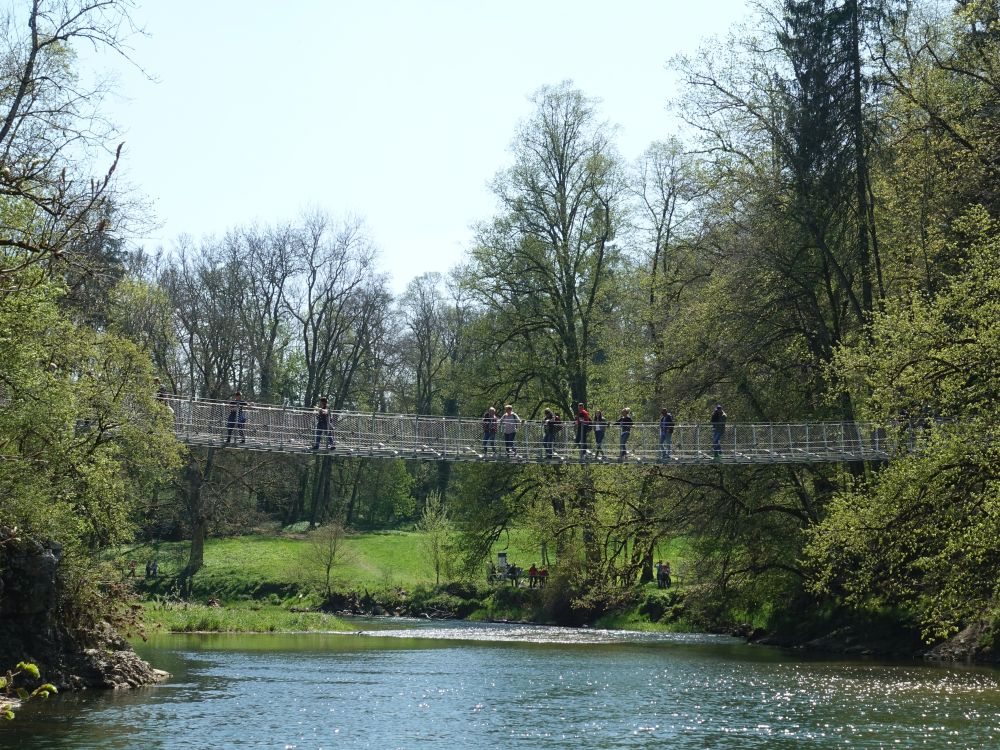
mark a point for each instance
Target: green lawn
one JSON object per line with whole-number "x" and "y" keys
{"x": 278, "y": 567}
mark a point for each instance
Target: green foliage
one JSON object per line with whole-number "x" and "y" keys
{"x": 437, "y": 531}
{"x": 922, "y": 532}
{"x": 8, "y": 689}
{"x": 82, "y": 437}
{"x": 184, "y": 617}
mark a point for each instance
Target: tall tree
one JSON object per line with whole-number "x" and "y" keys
{"x": 263, "y": 259}
{"x": 544, "y": 263}
{"x": 330, "y": 298}
{"x": 51, "y": 207}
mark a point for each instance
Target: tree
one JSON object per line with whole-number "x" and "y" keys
{"x": 325, "y": 552}
{"x": 426, "y": 344}
{"x": 51, "y": 209}
{"x": 921, "y": 534}
{"x": 542, "y": 266}
{"x": 437, "y": 530}
{"x": 265, "y": 267}
{"x": 203, "y": 286}
{"x": 331, "y": 300}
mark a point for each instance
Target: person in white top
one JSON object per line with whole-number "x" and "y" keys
{"x": 508, "y": 426}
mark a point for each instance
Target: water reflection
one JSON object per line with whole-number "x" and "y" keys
{"x": 417, "y": 684}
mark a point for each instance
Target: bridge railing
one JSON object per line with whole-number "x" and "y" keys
{"x": 294, "y": 429}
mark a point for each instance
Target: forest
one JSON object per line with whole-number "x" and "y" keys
{"x": 820, "y": 242}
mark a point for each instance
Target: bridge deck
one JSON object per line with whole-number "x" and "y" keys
{"x": 293, "y": 430}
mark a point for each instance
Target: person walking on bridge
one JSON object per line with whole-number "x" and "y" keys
{"x": 625, "y": 422}
{"x": 582, "y": 427}
{"x": 508, "y": 425}
{"x": 324, "y": 424}
{"x": 237, "y": 417}
{"x": 666, "y": 433}
{"x": 548, "y": 432}
{"x": 600, "y": 425}
{"x": 490, "y": 431}
{"x": 718, "y": 420}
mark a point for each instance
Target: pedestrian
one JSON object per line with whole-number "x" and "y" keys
{"x": 161, "y": 390}
{"x": 600, "y": 425}
{"x": 162, "y": 393}
{"x": 237, "y": 417}
{"x": 324, "y": 424}
{"x": 666, "y": 433}
{"x": 532, "y": 576}
{"x": 508, "y": 425}
{"x": 625, "y": 422}
{"x": 665, "y": 572}
{"x": 490, "y": 430}
{"x": 718, "y": 420}
{"x": 582, "y": 427}
{"x": 659, "y": 574}
{"x": 548, "y": 432}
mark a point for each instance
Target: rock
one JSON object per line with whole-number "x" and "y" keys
{"x": 972, "y": 643}
{"x": 30, "y": 630}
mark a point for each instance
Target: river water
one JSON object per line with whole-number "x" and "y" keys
{"x": 402, "y": 684}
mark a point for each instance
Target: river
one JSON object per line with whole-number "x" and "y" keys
{"x": 409, "y": 684}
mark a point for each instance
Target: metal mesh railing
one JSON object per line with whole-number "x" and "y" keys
{"x": 294, "y": 430}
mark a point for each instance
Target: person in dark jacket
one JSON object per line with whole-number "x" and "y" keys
{"x": 324, "y": 424}
{"x": 237, "y": 417}
{"x": 490, "y": 430}
{"x": 666, "y": 433}
{"x": 548, "y": 432}
{"x": 718, "y": 420}
{"x": 625, "y": 422}
{"x": 600, "y": 426}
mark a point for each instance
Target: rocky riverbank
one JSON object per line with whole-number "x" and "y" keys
{"x": 30, "y": 630}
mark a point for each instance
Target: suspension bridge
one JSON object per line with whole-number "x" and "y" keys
{"x": 287, "y": 429}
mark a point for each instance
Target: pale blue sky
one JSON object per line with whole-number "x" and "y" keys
{"x": 400, "y": 112}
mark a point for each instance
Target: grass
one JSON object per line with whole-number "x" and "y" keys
{"x": 182, "y": 617}
{"x": 276, "y": 567}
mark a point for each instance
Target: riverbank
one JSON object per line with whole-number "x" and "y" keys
{"x": 269, "y": 583}
{"x": 242, "y": 617}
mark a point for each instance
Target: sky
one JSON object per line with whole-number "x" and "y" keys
{"x": 401, "y": 113}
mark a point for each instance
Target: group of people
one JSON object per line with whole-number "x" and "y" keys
{"x": 236, "y": 420}
{"x": 506, "y": 424}
{"x": 584, "y": 424}
{"x": 663, "y": 575}
{"x": 512, "y": 573}
{"x": 537, "y": 576}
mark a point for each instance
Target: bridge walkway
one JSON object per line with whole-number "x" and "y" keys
{"x": 431, "y": 438}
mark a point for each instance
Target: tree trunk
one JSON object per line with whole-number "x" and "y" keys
{"x": 860, "y": 162}
{"x": 196, "y": 478}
